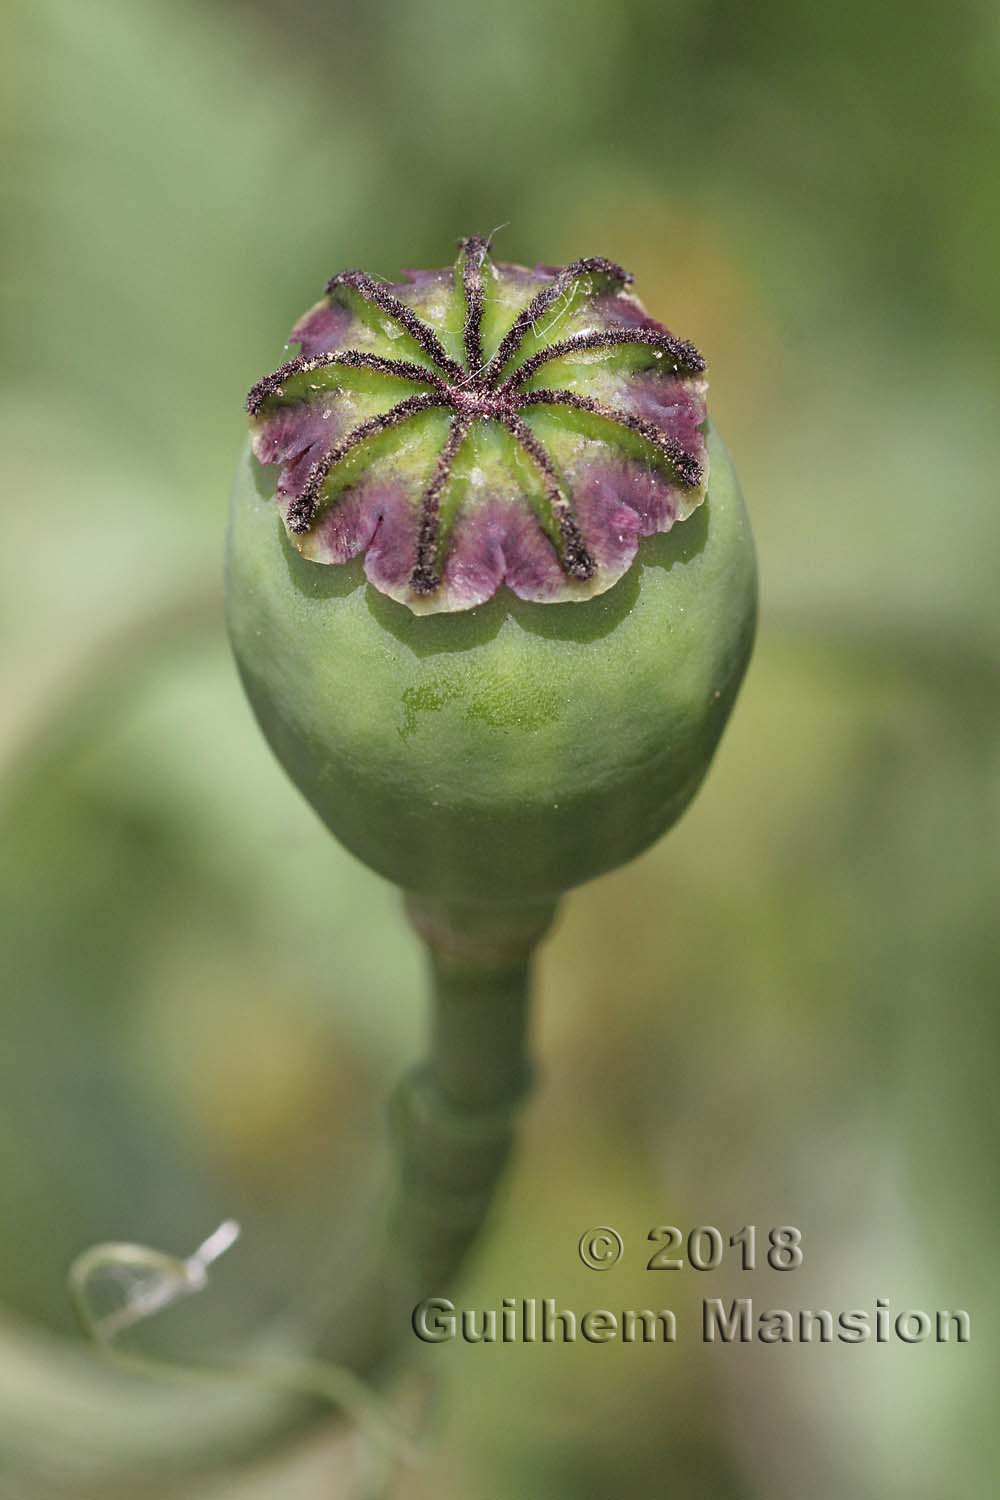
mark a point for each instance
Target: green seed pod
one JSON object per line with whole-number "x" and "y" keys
{"x": 494, "y": 612}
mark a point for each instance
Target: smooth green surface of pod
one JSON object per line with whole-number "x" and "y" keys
{"x": 507, "y": 752}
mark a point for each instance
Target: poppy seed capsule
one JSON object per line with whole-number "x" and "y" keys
{"x": 561, "y": 589}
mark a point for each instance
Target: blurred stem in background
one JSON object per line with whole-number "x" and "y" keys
{"x": 453, "y": 1118}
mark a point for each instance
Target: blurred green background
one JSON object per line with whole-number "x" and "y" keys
{"x": 782, "y": 1014}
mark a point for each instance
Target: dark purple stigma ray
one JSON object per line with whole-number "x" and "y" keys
{"x": 302, "y": 510}
{"x": 683, "y": 356}
{"x": 425, "y": 578}
{"x": 684, "y": 464}
{"x": 373, "y": 292}
{"x": 575, "y": 558}
{"x": 353, "y": 359}
{"x": 474, "y": 254}
{"x": 543, "y": 300}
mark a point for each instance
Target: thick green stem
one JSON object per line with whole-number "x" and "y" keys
{"x": 478, "y": 1035}
{"x": 453, "y": 1117}
{"x": 455, "y": 1114}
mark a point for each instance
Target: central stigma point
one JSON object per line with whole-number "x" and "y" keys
{"x": 470, "y": 402}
